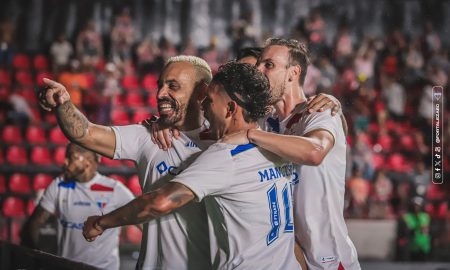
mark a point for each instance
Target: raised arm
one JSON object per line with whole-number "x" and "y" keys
{"x": 142, "y": 209}
{"x": 73, "y": 123}
{"x": 309, "y": 149}
{"x": 30, "y": 231}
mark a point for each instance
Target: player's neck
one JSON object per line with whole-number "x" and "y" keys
{"x": 289, "y": 101}
{"x": 239, "y": 127}
{"x": 87, "y": 176}
{"x": 191, "y": 122}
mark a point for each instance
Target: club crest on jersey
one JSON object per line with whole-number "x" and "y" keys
{"x": 163, "y": 168}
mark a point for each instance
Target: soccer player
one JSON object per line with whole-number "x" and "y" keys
{"x": 246, "y": 190}
{"x": 80, "y": 193}
{"x": 316, "y": 142}
{"x": 178, "y": 240}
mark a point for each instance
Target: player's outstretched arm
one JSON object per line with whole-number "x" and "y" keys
{"x": 142, "y": 209}
{"x": 74, "y": 124}
{"x": 30, "y": 231}
{"x": 309, "y": 149}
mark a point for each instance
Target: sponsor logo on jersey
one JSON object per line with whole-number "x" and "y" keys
{"x": 328, "y": 259}
{"x": 273, "y": 173}
{"x": 80, "y": 203}
{"x": 163, "y": 168}
{"x": 71, "y": 225}
{"x": 191, "y": 144}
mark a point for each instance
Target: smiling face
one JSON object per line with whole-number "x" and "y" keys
{"x": 215, "y": 109}
{"x": 274, "y": 63}
{"x": 175, "y": 88}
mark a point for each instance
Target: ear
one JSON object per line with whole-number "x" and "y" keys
{"x": 294, "y": 73}
{"x": 231, "y": 108}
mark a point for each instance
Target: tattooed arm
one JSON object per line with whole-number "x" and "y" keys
{"x": 30, "y": 231}
{"x": 73, "y": 123}
{"x": 142, "y": 209}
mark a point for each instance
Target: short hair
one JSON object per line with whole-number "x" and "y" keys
{"x": 298, "y": 53}
{"x": 249, "y": 51}
{"x": 201, "y": 67}
{"x": 250, "y": 84}
{"x": 84, "y": 151}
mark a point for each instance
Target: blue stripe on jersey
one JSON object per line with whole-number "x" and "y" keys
{"x": 241, "y": 148}
{"x": 69, "y": 184}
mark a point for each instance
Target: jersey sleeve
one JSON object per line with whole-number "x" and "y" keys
{"x": 123, "y": 194}
{"x": 323, "y": 120}
{"x": 209, "y": 174}
{"x": 130, "y": 141}
{"x": 50, "y": 198}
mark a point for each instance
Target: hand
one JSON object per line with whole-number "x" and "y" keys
{"x": 91, "y": 228}
{"x": 323, "y": 102}
{"x": 161, "y": 136}
{"x": 52, "y": 95}
{"x": 237, "y": 138}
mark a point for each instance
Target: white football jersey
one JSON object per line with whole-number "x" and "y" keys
{"x": 180, "y": 239}
{"x": 73, "y": 202}
{"x": 247, "y": 193}
{"x": 319, "y": 196}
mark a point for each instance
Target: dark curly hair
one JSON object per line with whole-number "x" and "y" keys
{"x": 247, "y": 86}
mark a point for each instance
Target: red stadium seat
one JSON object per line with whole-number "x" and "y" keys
{"x": 134, "y": 186}
{"x": 120, "y": 117}
{"x": 134, "y": 99}
{"x": 2, "y": 184}
{"x": 30, "y": 207}
{"x": 19, "y": 183}
{"x": 40, "y": 62}
{"x": 140, "y": 115}
{"x": 5, "y": 78}
{"x": 111, "y": 162}
{"x": 152, "y": 101}
{"x": 377, "y": 161}
{"x": 36, "y": 114}
{"x": 40, "y": 77}
{"x": 11, "y": 135}
{"x": 150, "y": 82}
{"x": 41, "y": 181}
{"x": 60, "y": 155}
{"x": 29, "y": 94}
{"x": 13, "y": 207}
{"x": 386, "y": 142}
{"x": 407, "y": 142}
{"x": 4, "y": 93}
{"x": 24, "y": 78}
{"x": 57, "y": 136}
{"x": 35, "y": 135}
{"x": 40, "y": 155}
{"x": 21, "y": 61}
{"x": 50, "y": 118}
{"x": 119, "y": 178}
{"x": 130, "y": 82}
{"x": 16, "y": 155}
{"x": 118, "y": 100}
{"x": 134, "y": 235}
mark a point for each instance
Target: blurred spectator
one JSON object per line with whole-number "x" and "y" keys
{"x": 110, "y": 87}
{"x": 362, "y": 155}
{"x": 414, "y": 61}
{"x": 328, "y": 74}
{"x": 315, "y": 27}
{"x": 312, "y": 80}
{"x": 382, "y": 194}
{"x": 123, "y": 37}
{"x": 61, "y": 50}
{"x": 359, "y": 191}
{"x": 365, "y": 63}
{"x": 188, "y": 48}
{"x": 395, "y": 97}
{"x": 89, "y": 45}
{"x": 147, "y": 52}
{"x": 75, "y": 81}
{"x": 431, "y": 40}
{"x": 421, "y": 178}
{"x": 6, "y": 43}
{"x": 413, "y": 234}
{"x": 20, "y": 111}
{"x": 343, "y": 46}
{"x": 212, "y": 54}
